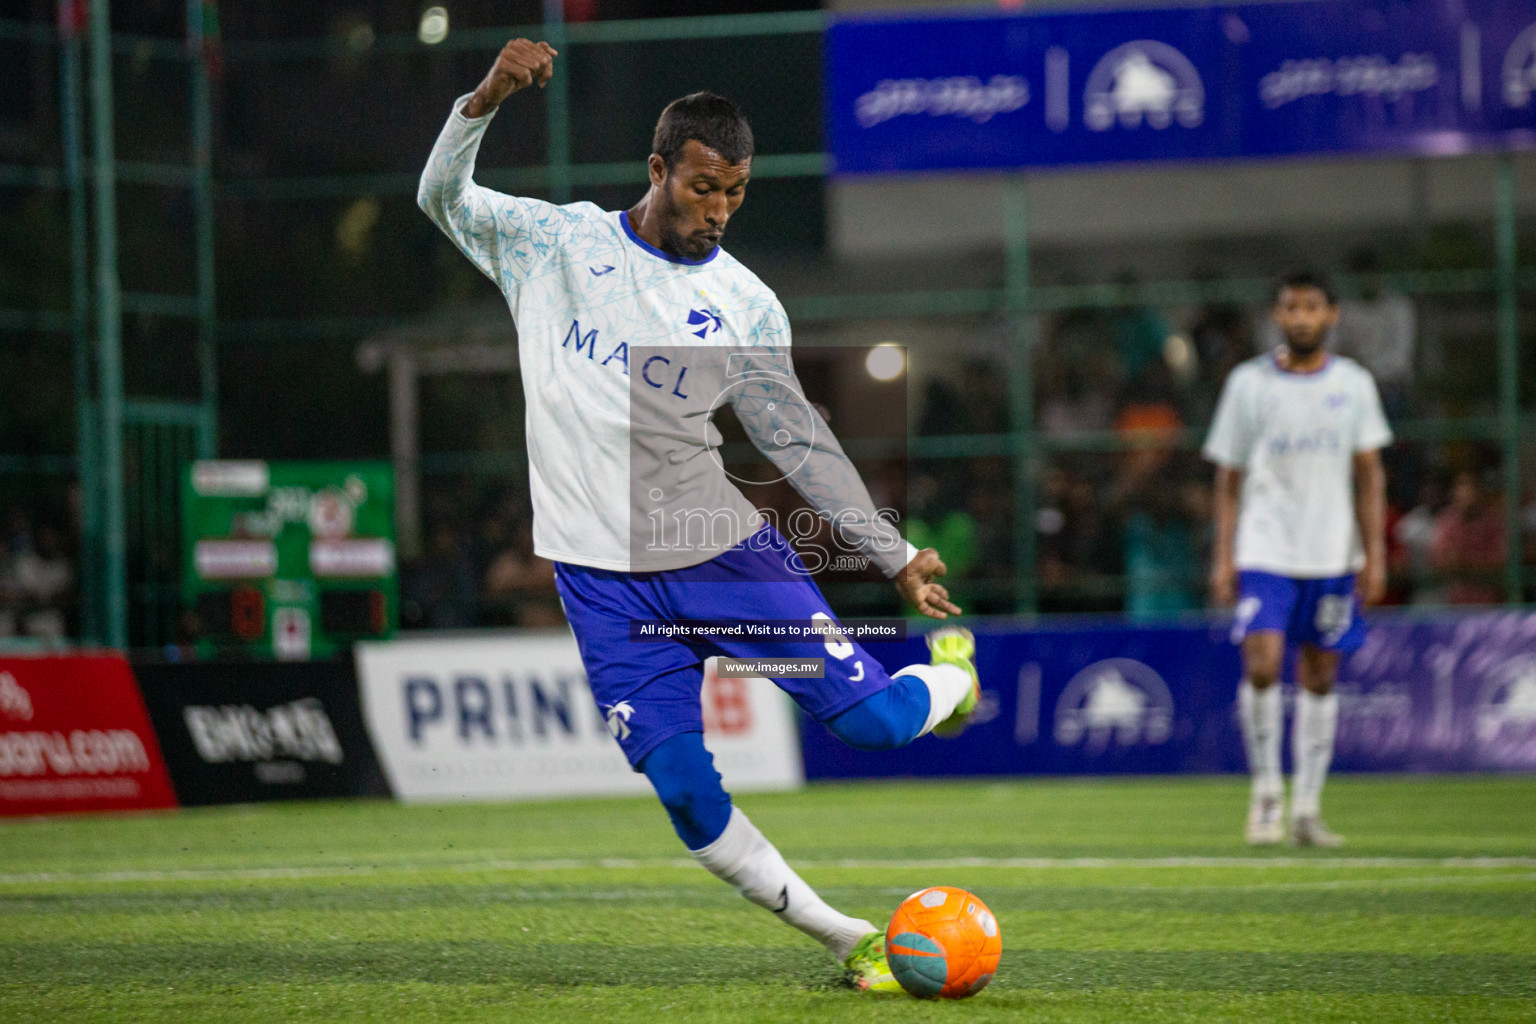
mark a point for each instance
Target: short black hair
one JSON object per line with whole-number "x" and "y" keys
{"x": 1305, "y": 279}
{"x": 712, "y": 120}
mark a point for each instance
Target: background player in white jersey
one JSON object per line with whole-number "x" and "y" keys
{"x": 1300, "y": 542}
{"x": 632, "y": 327}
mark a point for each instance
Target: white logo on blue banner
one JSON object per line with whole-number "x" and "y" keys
{"x": 1116, "y": 701}
{"x": 1143, "y": 81}
{"x": 1506, "y": 712}
{"x": 1519, "y": 70}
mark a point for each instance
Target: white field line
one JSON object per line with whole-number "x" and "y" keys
{"x": 1057, "y": 863}
{"x": 363, "y": 868}
{"x": 1381, "y": 883}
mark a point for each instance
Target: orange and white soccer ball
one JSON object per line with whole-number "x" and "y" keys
{"x": 943, "y": 943}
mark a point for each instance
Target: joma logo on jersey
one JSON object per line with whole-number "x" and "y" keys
{"x": 657, "y": 371}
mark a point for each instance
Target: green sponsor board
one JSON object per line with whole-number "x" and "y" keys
{"x": 289, "y": 559}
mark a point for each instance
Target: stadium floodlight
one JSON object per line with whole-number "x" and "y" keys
{"x": 886, "y": 361}
{"x": 434, "y": 25}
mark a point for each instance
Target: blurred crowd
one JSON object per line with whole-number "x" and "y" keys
{"x": 1122, "y": 512}
{"x": 477, "y": 567}
{"x": 37, "y": 580}
{"x": 1123, "y": 521}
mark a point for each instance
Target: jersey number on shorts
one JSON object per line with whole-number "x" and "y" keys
{"x": 837, "y": 645}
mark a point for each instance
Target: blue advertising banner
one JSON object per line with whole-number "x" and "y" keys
{"x": 1450, "y": 693}
{"x": 1326, "y": 76}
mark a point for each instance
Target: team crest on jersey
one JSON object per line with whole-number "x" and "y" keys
{"x": 708, "y": 318}
{"x": 618, "y": 718}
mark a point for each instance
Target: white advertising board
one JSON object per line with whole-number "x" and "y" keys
{"x": 506, "y": 717}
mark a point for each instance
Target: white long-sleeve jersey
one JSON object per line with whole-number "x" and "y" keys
{"x": 625, "y": 353}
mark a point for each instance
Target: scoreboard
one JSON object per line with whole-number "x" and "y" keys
{"x": 290, "y": 560}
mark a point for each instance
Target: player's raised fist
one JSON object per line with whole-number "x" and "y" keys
{"x": 520, "y": 63}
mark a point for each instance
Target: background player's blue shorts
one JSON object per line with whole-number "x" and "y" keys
{"x": 659, "y": 683}
{"x": 1323, "y": 613}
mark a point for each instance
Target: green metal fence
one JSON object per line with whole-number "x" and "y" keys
{"x": 112, "y": 429}
{"x": 126, "y": 448}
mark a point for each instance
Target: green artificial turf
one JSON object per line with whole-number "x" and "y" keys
{"x": 1119, "y": 901}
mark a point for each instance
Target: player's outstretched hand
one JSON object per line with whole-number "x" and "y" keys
{"x": 915, "y": 583}
{"x": 520, "y": 63}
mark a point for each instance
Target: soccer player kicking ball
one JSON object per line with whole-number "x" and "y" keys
{"x": 620, "y": 316}
{"x": 1297, "y": 444}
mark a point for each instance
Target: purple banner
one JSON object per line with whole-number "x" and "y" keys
{"x": 1447, "y": 693}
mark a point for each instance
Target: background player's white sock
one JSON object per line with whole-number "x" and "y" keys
{"x": 947, "y": 687}
{"x": 1261, "y": 718}
{"x": 1317, "y": 720}
{"x": 745, "y": 858}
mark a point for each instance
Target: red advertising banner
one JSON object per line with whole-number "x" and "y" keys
{"x": 74, "y": 736}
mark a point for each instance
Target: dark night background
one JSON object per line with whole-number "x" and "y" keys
{"x": 370, "y": 253}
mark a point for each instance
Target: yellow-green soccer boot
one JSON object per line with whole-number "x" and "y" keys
{"x": 954, "y": 645}
{"x": 868, "y": 966}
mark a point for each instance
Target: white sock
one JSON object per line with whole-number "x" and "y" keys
{"x": 1317, "y": 720}
{"x": 947, "y": 687}
{"x": 745, "y": 858}
{"x": 1260, "y": 715}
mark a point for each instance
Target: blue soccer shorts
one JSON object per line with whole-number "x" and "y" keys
{"x": 649, "y": 690}
{"x": 1323, "y": 613}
